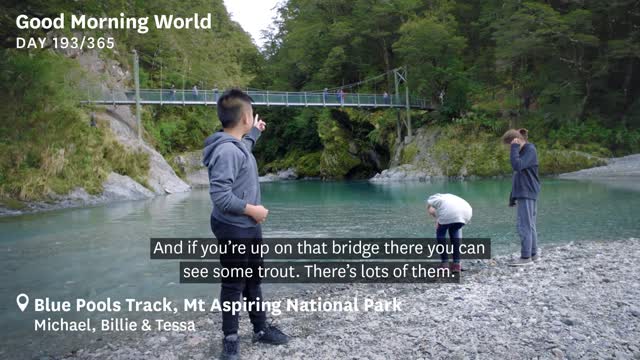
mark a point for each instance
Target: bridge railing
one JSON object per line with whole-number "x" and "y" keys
{"x": 268, "y": 98}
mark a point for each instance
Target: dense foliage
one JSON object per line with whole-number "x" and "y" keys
{"x": 47, "y": 144}
{"x": 568, "y": 71}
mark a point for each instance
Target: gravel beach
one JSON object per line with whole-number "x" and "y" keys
{"x": 579, "y": 301}
{"x": 622, "y": 167}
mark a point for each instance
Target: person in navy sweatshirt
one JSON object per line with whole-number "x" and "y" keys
{"x": 524, "y": 192}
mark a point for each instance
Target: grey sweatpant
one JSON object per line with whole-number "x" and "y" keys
{"x": 526, "y": 224}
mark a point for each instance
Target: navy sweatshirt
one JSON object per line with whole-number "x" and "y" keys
{"x": 526, "y": 183}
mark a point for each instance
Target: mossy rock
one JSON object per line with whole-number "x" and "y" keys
{"x": 12, "y": 204}
{"x": 409, "y": 153}
{"x": 305, "y": 164}
{"x": 563, "y": 161}
{"x": 308, "y": 165}
{"x": 459, "y": 153}
{"x": 337, "y": 162}
{"x": 339, "y": 156}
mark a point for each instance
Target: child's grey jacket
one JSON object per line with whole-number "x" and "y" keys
{"x": 233, "y": 176}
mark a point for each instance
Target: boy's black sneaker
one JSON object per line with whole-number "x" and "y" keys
{"x": 230, "y": 348}
{"x": 271, "y": 335}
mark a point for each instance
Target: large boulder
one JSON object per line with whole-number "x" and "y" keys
{"x": 162, "y": 179}
{"x": 119, "y": 187}
{"x": 405, "y": 172}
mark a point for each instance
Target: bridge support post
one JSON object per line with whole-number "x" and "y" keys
{"x": 399, "y": 126}
{"x": 136, "y": 74}
{"x": 406, "y": 93}
{"x": 400, "y": 75}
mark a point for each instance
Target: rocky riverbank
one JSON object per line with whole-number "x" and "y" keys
{"x": 196, "y": 175}
{"x": 580, "y": 301}
{"x": 622, "y": 167}
{"x": 120, "y": 122}
{"x": 161, "y": 178}
{"x": 407, "y": 172}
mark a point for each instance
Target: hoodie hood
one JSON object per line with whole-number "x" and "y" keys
{"x": 216, "y": 139}
{"x": 435, "y": 200}
{"x": 450, "y": 208}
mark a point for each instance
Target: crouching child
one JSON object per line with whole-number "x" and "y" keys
{"x": 451, "y": 213}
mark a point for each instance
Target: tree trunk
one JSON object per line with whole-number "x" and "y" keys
{"x": 585, "y": 99}
{"x": 627, "y": 84}
{"x": 387, "y": 63}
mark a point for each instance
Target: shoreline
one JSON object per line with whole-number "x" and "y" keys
{"x": 625, "y": 168}
{"x": 581, "y": 300}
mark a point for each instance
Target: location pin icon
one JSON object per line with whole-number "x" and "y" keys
{"x": 23, "y": 301}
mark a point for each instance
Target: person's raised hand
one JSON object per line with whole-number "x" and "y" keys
{"x": 517, "y": 141}
{"x": 259, "y": 124}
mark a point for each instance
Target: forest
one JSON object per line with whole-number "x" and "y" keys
{"x": 569, "y": 71}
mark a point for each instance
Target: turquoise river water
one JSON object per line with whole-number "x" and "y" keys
{"x": 103, "y": 251}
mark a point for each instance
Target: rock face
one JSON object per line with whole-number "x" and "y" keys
{"x": 162, "y": 179}
{"x": 412, "y": 159}
{"x": 119, "y": 187}
{"x": 190, "y": 163}
{"x": 116, "y": 188}
{"x": 287, "y": 174}
{"x": 405, "y": 172}
{"x": 417, "y": 150}
{"x": 122, "y": 122}
{"x": 623, "y": 167}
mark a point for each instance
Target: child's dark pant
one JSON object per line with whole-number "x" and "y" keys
{"x": 232, "y": 289}
{"x": 526, "y": 224}
{"x": 455, "y": 235}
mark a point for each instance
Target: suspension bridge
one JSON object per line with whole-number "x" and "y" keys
{"x": 335, "y": 97}
{"x": 260, "y": 98}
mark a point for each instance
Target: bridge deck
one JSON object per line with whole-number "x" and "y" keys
{"x": 260, "y": 98}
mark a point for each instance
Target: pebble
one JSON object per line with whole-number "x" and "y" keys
{"x": 557, "y": 353}
{"x": 579, "y": 337}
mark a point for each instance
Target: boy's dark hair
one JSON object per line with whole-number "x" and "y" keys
{"x": 231, "y": 105}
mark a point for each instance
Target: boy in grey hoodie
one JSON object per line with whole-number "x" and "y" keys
{"x": 237, "y": 214}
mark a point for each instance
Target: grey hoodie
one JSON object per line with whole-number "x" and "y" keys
{"x": 233, "y": 176}
{"x": 524, "y": 162}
